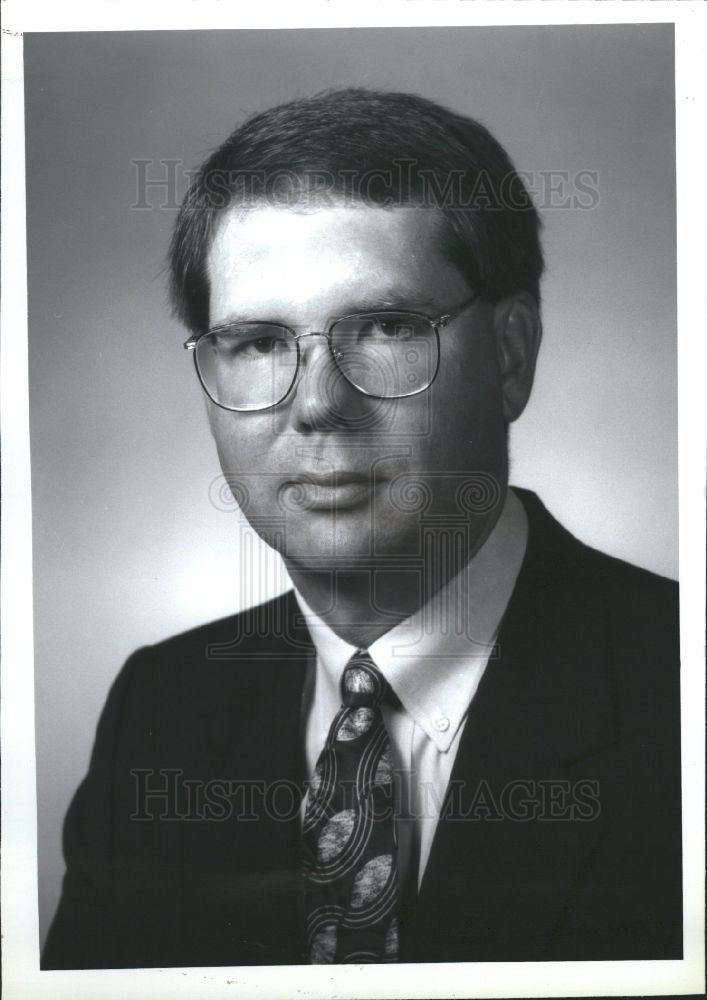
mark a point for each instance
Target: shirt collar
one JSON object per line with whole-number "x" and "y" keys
{"x": 435, "y": 659}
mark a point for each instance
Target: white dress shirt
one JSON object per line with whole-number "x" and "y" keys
{"x": 434, "y": 662}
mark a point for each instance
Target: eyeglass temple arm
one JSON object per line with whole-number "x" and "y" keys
{"x": 443, "y": 320}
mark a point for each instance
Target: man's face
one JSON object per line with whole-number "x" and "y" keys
{"x": 330, "y": 475}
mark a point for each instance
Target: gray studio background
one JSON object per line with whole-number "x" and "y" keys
{"x": 133, "y": 536}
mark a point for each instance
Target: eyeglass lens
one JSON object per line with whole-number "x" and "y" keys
{"x": 251, "y": 366}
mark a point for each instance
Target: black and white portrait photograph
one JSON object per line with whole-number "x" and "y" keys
{"x": 350, "y": 392}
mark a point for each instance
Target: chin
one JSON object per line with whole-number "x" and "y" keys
{"x": 343, "y": 549}
{"x": 312, "y": 541}
{"x": 332, "y": 546}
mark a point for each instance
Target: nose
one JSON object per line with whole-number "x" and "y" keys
{"x": 322, "y": 398}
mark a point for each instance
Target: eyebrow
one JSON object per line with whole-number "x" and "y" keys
{"x": 397, "y": 300}
{"x": 390, "y": 300}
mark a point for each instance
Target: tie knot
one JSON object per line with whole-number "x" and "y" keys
{"x": 362, "y": 684}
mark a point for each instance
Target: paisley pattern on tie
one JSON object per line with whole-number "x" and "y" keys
{"x": 348, "y": 835}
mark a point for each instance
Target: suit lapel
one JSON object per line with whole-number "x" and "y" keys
{"x": 509, "y": 847}
{"x": 256, "y": 735}
{"x": 262, "y": 672}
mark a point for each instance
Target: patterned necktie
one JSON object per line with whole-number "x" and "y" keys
{"x": 349, "y": 841}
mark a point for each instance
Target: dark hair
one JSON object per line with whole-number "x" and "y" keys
{"x": 383, "y": 149}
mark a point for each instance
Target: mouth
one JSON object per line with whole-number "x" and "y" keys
{"x": 333, "y": 491}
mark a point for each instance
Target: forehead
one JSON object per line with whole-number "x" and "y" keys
{"x": 330, "y": 258}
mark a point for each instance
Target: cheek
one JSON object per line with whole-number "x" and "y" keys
{"x": 242, "y": 454}
{"x": 466, "y": 429}
{"x": 240, "y": 438}
{"x": 469, "y": 379}
{"x": 246, "y": 449}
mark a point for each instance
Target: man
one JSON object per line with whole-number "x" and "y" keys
{"x": 458, "y": 738}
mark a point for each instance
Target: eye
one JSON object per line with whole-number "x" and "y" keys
{"x": 383, "y": 327}
{"x": 395, "y": 327}
{"x": 265, "y": 345}
{"x": 391, "y": 328}
{"x": 364, "y": 329}
{"x": 249, "y": 342}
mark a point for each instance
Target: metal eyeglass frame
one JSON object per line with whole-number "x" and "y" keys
{"x": 436, "y": 324}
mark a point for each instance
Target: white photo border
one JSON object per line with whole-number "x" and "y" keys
{"x": 20, "y": 953}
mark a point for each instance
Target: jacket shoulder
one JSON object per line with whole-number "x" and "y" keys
{"x": 627, "y": 584}
{"x": 557, "y": 554}
{"x": 641, "y": 607}
{"x": 250, "y": 648}
{"x": 271, "y": 629}
{"x": 254, "y": 627}
{"x": 579, "y": 591}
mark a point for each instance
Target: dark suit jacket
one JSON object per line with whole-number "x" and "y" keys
{"x": 578, "y": 712}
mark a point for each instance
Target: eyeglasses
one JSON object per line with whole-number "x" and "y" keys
{"x": 387, "y": 354}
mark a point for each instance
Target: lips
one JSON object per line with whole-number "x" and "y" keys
{"x": 334, "y": 491}
{"x": 332, "y": 479}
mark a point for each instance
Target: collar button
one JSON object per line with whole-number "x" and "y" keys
{"x": 441, "y": 723}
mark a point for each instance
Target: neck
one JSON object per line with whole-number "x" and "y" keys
{"x": 364, "y": 603}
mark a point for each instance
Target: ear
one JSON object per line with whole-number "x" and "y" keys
{"x": 518, "y": 332}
